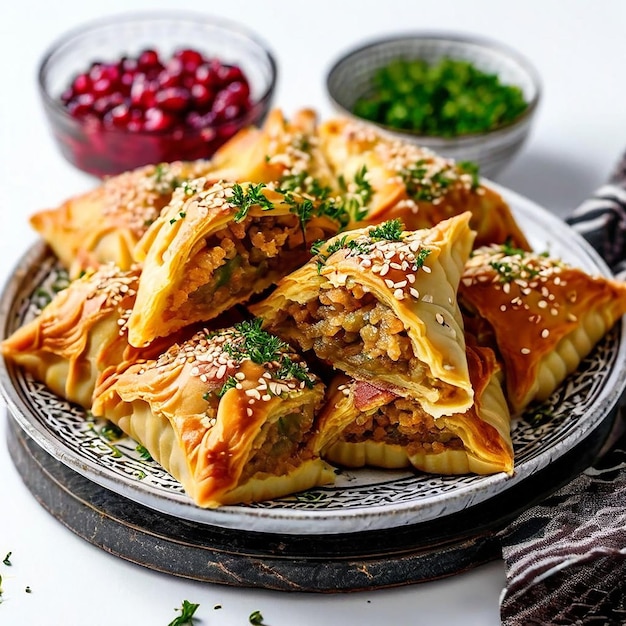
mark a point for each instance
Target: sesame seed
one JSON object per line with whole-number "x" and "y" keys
{"x": 525, "y": 351}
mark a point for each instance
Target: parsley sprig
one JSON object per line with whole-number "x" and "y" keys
{"x": 245, "y": 199}
{"x": 355, "y": 202}
{"x": 250, "y": 341}
{"x": 390, "y": 230}
{"x": 187, "y": 612}
{"x": 423, "y": 186}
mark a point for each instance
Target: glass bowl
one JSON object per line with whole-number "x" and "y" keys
{"x": 350, "y": 78}
{"x": 109, "y": 147}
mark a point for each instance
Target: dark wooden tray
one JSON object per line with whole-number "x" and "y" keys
{"x": 316, "y": 563}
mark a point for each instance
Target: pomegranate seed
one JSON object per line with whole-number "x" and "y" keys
{"x": 157, "y": 120}
{"x": 202, "y": 96}
{"x": 102, "y": 86}
{"x": 240, "y": 90}
{"x": 128, "y": 64}
{"x": 81, "y": 105}
{"x": 172, "y": 98}
{"x": 143, "y": 93}
{"x": 149, "y": 60}
{"x": 106, "y": 103}
{"x": 119, "y": 116}
{"x": 82, "y": 84}
{"x": 170, "y": 77}
{"x": 190, "y": 59}
{"x": 230, "y": 73}
{"x": 206, "y": 74}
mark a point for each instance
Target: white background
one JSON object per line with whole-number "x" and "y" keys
{"x": 579, "y": 48}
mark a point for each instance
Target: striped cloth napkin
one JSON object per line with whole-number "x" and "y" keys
{"x": 565, "y": 558}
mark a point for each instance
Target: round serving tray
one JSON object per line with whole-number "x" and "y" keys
{"x": 361, "y": 501}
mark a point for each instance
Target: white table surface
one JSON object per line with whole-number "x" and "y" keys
{"x": 578, "y": 47}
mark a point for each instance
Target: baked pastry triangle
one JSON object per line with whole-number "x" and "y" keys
{"x": 216, "y": 245}
{"x": 363, "y": 425}
{"x": 229, "y": 414}
{"x": 80, "y": 334}
{"x": 385, "y": 178}
{"x": 541, "y": 315}
{"x": 103, "y": 225}
{"x": 379, "y": 303}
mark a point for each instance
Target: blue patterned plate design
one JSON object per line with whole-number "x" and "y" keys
{"x": 360, "y": 500}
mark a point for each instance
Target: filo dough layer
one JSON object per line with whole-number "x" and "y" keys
{"x": 228, "y": 428}
{"x": 540, "y": 314}
{"x": 215, "y": 246}
{"x": 363, "y": 425}
{"x": 384, "y": 310}
{"x": 396, "y": 179}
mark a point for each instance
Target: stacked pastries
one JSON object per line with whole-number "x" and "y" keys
{"x": 315, "y": 294}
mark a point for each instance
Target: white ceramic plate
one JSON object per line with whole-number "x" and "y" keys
{"x": 360, "y": 500}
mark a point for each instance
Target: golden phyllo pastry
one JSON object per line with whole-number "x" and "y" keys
{"x": 284, "y": 153}
{"x": 229, "y": 414}
{"x": 215, "y": 246}
{"x": 103, "y": 225}
{"x": 540, "y": 314}
{"x": 80, "y": 334}
{"x": 379, "y": 303}
{"x": 364, "y": 425}
{"x": 384, "y": 178}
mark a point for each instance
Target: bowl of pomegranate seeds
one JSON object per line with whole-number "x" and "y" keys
{"x": 136, "y": 89}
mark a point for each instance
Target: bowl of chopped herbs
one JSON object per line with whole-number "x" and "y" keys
{"x": 464, "y": 97}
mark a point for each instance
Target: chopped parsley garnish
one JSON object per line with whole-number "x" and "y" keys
{"x": 446, "y": 98}
{"x": 187, "y": 612}
{"x": 143, "y": 452}
{"x": 512, "y": 266}
{"x": 420, "y": 259}
{"x": 471, "y": 168}
{"x": 7, "y": 559}
{"x": 424, "y": 186}
{"x": 390, "y": 230}
{"x": 111, "y": 432}
{"x": 181, "y": 215}
{"x": 164, "y": 181}
{"x": 303, "y": 183}
{"x": 231, "y": 382}
{"x": 189, "y": 189}
{"x": 355, "y": 202}
{"x": 256, "y": 618}
{"x": 254, "y": 343}
{"x": 244, "y": 200}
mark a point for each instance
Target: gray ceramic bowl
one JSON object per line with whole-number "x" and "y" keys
{"x": 349, "y": 79}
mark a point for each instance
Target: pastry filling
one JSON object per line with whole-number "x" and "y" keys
{"x": 349, "y": 325}
{"x": 281, "y": 446}
{"x": 240, "y": 260}
{"x": 403, "y": 423}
